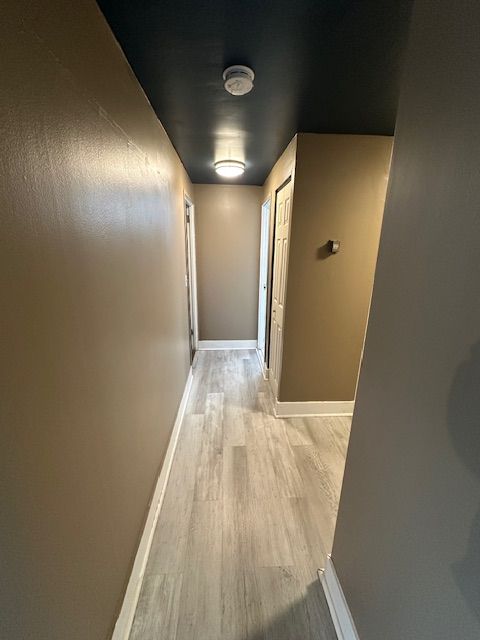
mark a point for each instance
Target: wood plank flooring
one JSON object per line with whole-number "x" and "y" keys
{"x": 248, "y": 515}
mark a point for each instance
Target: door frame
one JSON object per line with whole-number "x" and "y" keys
{"x": 289, "y": 179}
{"x": 191, "y": 274}
{"x": 263, "y": 279}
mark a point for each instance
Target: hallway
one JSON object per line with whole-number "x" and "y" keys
{"x": 248, "y": 516}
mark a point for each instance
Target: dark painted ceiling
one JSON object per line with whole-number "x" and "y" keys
{"x": 326, "y": 66}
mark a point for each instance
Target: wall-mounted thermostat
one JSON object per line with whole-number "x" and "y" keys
{"x": 334, "y": 246}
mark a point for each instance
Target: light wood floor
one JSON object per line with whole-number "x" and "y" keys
{"x": 248, "y": 516}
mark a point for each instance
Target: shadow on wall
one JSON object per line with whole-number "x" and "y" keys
{"x": 324, "y": 251}
{"x": 464, "y": 427}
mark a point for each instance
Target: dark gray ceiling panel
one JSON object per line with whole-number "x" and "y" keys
{"x": 325, "y": 66}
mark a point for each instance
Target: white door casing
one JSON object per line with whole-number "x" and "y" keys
{"x": 279, "y": 286}
{"x": 191, "y": 275}
{"x": 262, "y": 280}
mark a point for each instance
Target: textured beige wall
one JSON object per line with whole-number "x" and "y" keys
{"x": 94, "y": 347}
{"x": 407, "y": 544}
{"x": 227, "y": 228}
{"x": 283, "y": 169}
{"x": 340, "y": 185}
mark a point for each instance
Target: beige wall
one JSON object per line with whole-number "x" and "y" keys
{"x": 227, "y": 228}
{"x": 94, "y": 348}
{"x": 283, "y": 169}
{"x": 340, "y": 185}
{"x": 407, "y": 545}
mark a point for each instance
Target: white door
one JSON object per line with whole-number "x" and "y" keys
{"x": 282, "y": 230}
{"x": 262, "y": 292}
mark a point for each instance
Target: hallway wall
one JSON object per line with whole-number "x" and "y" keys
{"x": 340, "y": 186}
{"x": 94, "y": 344}
{"x": 227, "y": 228}
{"x": 407, "y": 543}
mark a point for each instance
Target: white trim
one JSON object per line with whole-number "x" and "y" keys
{"x": 273, "y": 388}
{"x": 127, "y": 612}
{"x": 263, "y": 366}
{"x": 322, "y": 408}
{"x": 193, "y": 251}
{"x": 209, "y": 345}
{"x": 339, "y": 611}
{"x": 192, "y": 262}
{"x": 265, "y": 217}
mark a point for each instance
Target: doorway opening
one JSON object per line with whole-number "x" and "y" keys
{"x": 263, "y": 284}
{"x": 191, "y": 277}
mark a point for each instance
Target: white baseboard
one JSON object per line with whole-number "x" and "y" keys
{"x": 263, "y": 366}
{"x": 127, "y": 612}
{"x": 299, "y": 409}
{"x": 209, "y": 345}
{"x": 341, "y": 616}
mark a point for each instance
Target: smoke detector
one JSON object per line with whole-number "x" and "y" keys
{"x": 238, "y": 80}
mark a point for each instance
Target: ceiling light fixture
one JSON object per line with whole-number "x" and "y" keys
{"x": 229, "y": 168}
{"x": 238, "y": 79}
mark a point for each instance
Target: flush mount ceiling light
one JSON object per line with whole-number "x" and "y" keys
{"x": 238, "y": 79}
{"x": 229, "y": 168}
